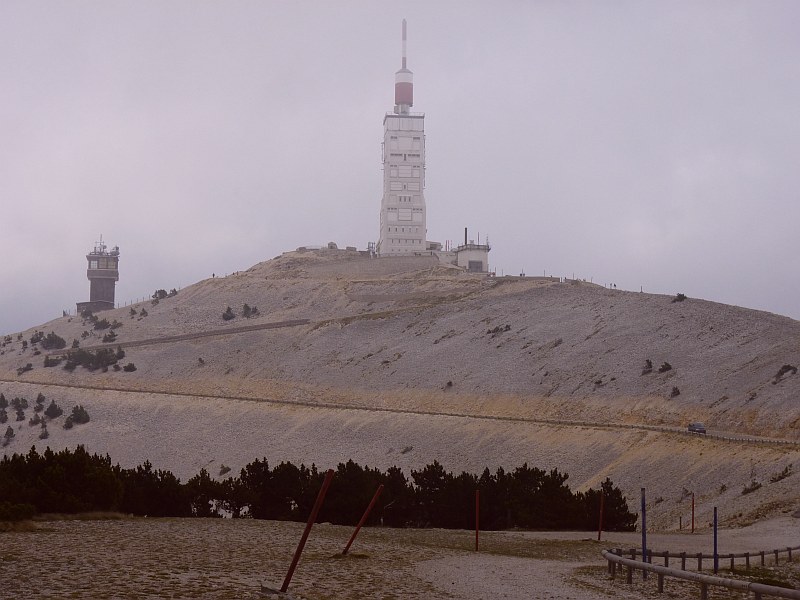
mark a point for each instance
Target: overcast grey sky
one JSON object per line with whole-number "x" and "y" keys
{"x": 648, "y": 144}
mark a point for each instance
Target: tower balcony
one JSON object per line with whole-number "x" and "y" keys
{"x": 103, "y": 274}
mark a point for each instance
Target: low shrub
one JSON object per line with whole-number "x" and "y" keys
{"x": 25, "y": 369}
{"x": 679, "y": 298}
{"x": 249, "y": 312}
{"x": 53, "y": 342}
{"x": 79, "y": 415}
{"x": 783, "y": 371}
{"x": 228, "y": 314}
{"x": 665, "y": 367}
{"x": 16, "y": 512}
{"x": 752, "y": 487}
{"x": 648, "y": 367}
{"x": 498, "y": 329}
{"x": 129, "y": 368}
{"x": 52, "y": 361}
{"x": 787, "y": 471}
{"x": 100, "y": 359}
{"x": 53, "y": 411}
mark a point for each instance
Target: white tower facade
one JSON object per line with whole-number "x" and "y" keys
{"x": 403, "y": 223}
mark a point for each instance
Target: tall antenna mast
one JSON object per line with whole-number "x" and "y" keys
{"x": 403, "y": 83}
{"x": 404, "y": 44}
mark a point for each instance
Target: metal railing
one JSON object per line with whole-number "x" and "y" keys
{"x": 615, "y": 559}
{"x": 699, "y": 556}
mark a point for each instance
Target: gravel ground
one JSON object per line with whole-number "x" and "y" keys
{"x": 231, "y": 559}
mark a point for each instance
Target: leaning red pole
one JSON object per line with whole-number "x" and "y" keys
{"x": 311, "y": 519}
{"x": 477, "y": 517}
{"x": 363, "y": 518}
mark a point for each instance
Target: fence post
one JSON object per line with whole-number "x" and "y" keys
{"x": 762, "y": 557}
{"x": 311, "y": 518}
{"x": 666, "y": 558}
{"x": 692, "y": 512}
{"x": 660, "y": 583}
{"x": 600, "y": 523}
{"x": 699, "y": 561}
{"x": 477, "y": 517}
{"x": 747, "y": 560}
{"x": 776, "y": 557}
{"x": 629, "y": 575}
{"x": 703, "y": 591}
{"x": 790, "y": 553}
{"x": 363, "y": 518}
{"x": 731, "y": 562}
{"x": 716, "y": 555}
{"x": 644, "y": 534}
{"x": 683, "y": 561}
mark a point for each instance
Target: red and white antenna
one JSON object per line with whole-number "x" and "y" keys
{"x": 403, "y": 83}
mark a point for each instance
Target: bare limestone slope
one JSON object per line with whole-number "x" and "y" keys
{"x": 403, "y": 361}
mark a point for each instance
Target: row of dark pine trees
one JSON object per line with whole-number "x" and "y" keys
{"x": 76, "y": 481}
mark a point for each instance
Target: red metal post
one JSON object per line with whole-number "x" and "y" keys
{"x": 311, "y": 519}
{"x": 692, "y": 513}
{"x": 600, "y": 523}
{"x": 477, "y": 517}
{"x": 363, "y": 518}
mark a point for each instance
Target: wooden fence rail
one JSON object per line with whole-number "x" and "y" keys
{"x": 699, "y": 556}
{"x": 758, "y": 590}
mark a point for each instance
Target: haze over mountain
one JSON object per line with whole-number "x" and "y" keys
{"x": 405, "y": 361}
{"x": 644, "y": 144}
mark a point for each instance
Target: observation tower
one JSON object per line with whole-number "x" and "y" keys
{"x": 402, "y": 223}
{"x": 103, "y": 274}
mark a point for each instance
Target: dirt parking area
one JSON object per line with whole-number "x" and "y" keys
{"x": 230, "y": 559}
